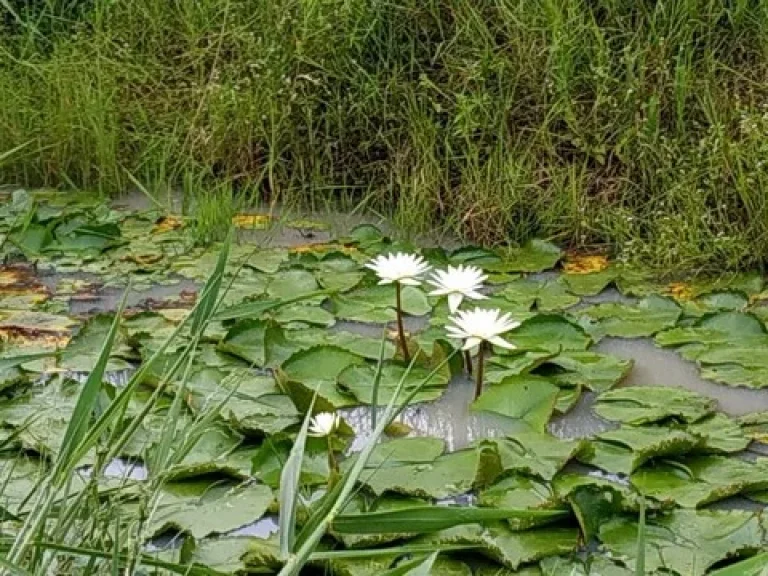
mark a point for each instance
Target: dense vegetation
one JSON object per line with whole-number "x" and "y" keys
{"x": 632, "y": 123}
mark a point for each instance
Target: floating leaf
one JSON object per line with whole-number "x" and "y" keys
{"x": 358, "y": 380}
{"x": 624, "y": 450}
{"x": 497, "y": 541}
{"x": 549, "y": 332}
{"x": 652, "y": 314}
{"x": 252, "y": 221}
{"x": 203, "y": 510}
{"x": 686, "y": 542}
{"x": 537, "y": 454}
{"x": 535, "y": 256}
{"x": 650, "y": 404}
{"x": 448, "y": 475}
{"x": 598, "y": 372}
{"x": 528, "y": 401}
{"x": 695, "y": 481}
{"x": 720, "y": 434}
{"x": 545, "y": 296}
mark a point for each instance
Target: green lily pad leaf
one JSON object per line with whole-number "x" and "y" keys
{"x": 755, "y": 426}
{"x": 318, "y": 369}
{"x": 546, "y": 296}
{"x": 650, "y": 404}
{"x": 236, "y": 554}
{"x": 598, "y": 372}
{"x": 590, "y": 284}
{"x": 499, "y": 542}
{"x": 715, "y": 302}
{"x": 377, "y": 304}
{"x": 535, "y": 256}
{"x": 209, "y": 455}
{"x": 83, "y": 350}
{"x": 338, "y": 274}
{"x": 549, "y": 332}
{"x": 721, "y": 328}
{"x": 537, "y": 454}
{"x": 598, "y": 566}
{"x": 695, "y": 481}
{"x": 686, "y": 541}
{"x": 250, "y": 404}
{"x": 358, "y": 380}
{"x": 21, "y": 476}
{"x": 624, "y": 450}
{"x": 291, "y": 284}
{"x": 527, "y": 400}
{"x": 314, "y": 315}
{"x": 515, "y": 363}
{"x": 651, "y": 315}
{"x": 520, "y": 492}
{"x": 270, "y": 458}
{"x": 388, "y": 503}
{"x": 488, "y": 568}
{"x": 267, "y": 261}
{"x": 43, "y": 413}
{"x": 736, "y": 375}
{"x": 212, "y": 511}
{"x": 446, "y": 476}
{"x": 415, "y": 450}
{"x": 567, "y": 484}
{"x": 33, "y": 332}
{"x": 354, "y": 343}
{"x": 567, "y": 398}
{"x": 721, "y": 434}
{"x": 258, "y": 342}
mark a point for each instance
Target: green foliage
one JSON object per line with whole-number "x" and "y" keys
{"x": 606, "y": 122}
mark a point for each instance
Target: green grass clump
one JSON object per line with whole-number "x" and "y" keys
{"x": 633, "y": 123}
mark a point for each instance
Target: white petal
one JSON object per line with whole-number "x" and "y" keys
{"x": 501, "y": 343}
{"x": 385, "y": 281}
{"x": 471, "y": 342}
{"x": 454, "y": 301}
{"x": 410, "y": 281}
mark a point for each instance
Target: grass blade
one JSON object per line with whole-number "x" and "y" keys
{"x": 431, "y": 519}
{"x": 393, "y": 551}
{"x": 377, "y": 381}
{"x": 212, "y": 287}
{"x": 289, "y": 486}
{"x": 640, "y": 562}
{"x": 255, "y": 309}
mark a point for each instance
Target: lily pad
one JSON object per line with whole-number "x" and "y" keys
{"x": 695, "y": 481}
{"x": 261, "y": 343}
{"x": 528, "y": 401}
{"x": 651, "y": 404}
{"x": 537, "y": 454}
{"x": 651, "y": 315}
{"x": 686, "y": 542}
{"x": 546, "y": 296}
{"x": 549, "y": 332}
{"x": 598, "y": 372}
{"x": 201, "y": 510}
{"x": 721, "y": 434}
{"x": 358, "y": 380}
{"x": 534, "y": 256}
{"x": 448, "y": 475}
{"x": 624, "y": 450}
{"x": 499, "y": 542}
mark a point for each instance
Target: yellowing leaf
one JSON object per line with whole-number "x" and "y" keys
{"x": 585, "y": 264}
{"x": 680, "y": 291}
{"x": 254, "y": 221}
{"x": 167, "y": 223}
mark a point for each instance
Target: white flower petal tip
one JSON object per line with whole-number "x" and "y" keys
{"x": 403, "y": 268}
{"x": 481, "y": 325}
{"x": 324, "y": 424}
{"x": 458, "y": 282}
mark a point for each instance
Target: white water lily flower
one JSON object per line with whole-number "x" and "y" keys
{"x": 458, "y": 282}
{"x": 323, "y": 424}
{"x": 400, "y": 267}
{"x": 480, "y": 325}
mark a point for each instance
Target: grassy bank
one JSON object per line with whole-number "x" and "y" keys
{"x": 636, "y": 124}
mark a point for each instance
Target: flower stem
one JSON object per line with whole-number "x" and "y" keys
{"x": 332, "y": 464}
{"x": 400, "y": 329}
{"x": 480, "y": 367}
{"x": 468, "y": 362}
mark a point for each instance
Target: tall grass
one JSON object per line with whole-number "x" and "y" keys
{"x": 634, "y": 123}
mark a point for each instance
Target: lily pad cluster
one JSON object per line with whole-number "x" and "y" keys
{"x": 309, "y": 328}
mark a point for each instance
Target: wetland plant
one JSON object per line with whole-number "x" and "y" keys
{"x": 478, "y": 329}
{"x": 399, "y": 269}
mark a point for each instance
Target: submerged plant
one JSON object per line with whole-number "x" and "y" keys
{"x": 457, "y": 283}
{"x": 478, "y": 328}
{"x": 399, "y": 269}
